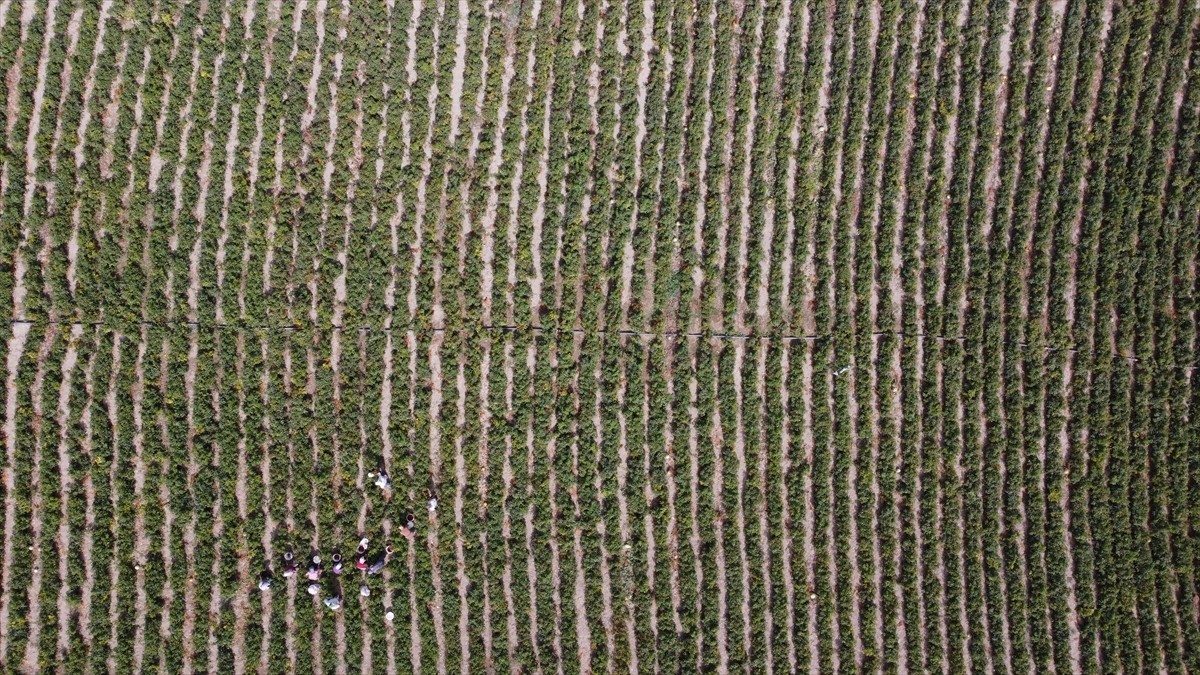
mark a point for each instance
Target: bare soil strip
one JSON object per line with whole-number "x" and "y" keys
{"x": 672, "y": 367}
{"x": 767, "y": 175}
{"x": 538, "y": 219}
{"x": 754, "y": 642}
{"x": 830, "y": 536}
{"x": 20, "y": 265}
{"x": 141, "y": 548}
{"x": 88, "y": 88}
{"x": 15, "y": 349}
{"x": 111, "y": 408}
{"x": 787, "y": 547}
{"x": 270, "y": 525}
{"x": 739, "y": 452}
{"x": 460, "y": 486}
{"x": 488, "y": 221}
{"x": 506, "y": 480}
{"x": 29, "y": 661}
{"x": 189, "y": 533}
{"x": 695, "y": 308}
{"x": 897, "y": 402}
{"x": 532, "y": 577}
{"x": 484, "y": 487}
{"x": 583, "y": 631}
{"x": 649, "y": 474}
{"x": 742, "y": 307}
{"x": 435, "y": 459}
{"x": 719, "y": 444}
{"x": 718, "y": 310}
{"x": 624, "y": 530}
{"x": 643, "y": 78}
{"x": 39, "y": 98}
{"x": 89, "y": 494}
{"x": 417, "y": 248}
{"x": 808, "y": 445}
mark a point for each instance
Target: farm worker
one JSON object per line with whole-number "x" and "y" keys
{"x": 289, "y": 565}
{"x": 338, "y": 567}
{"x": 432, "y": 503}
{"x": 389, "y": 616}
{"x": 264, "y": 580}
{"x": 360, "y": 562}
{"x": 313, "y": 589}
{"x": 314, "y": 568}
{"x": 364, "y": 590}
{"x": 334, "y": 603}
{"x": 410, "y": 526}
{"x": 377, "y": 565}
{"x": 382, "y": 481}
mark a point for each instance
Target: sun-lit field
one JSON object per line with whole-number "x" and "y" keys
{"x": 738, "y": 336}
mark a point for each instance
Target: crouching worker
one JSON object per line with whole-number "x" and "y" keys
{"x": 378, "y": 564}
{"x": 289, "y": 565}
{"x": 382, "y": 480}
{"x": 315, "y": 568}
{"x": 265, "y": 580}
{"x": 409, "y": 528}
{"x": 360, "y": 559}
{"x": 334, "y": 603}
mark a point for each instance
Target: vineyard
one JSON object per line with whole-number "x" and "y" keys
{"x": 763, "y": 336}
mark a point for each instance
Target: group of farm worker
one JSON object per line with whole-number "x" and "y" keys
{"x": 363, "y": 561}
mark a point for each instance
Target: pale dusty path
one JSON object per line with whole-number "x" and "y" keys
{"x": 11, "y": 115}
{"x": 188, "y": 630}
{"x": 436, "y": 397}
{"x": 418, "y": 247}
{"x": 695, "y": 310}
{"x": 460, "y": 486}
{"x": 745, "y": 233}
{"x": 693, "y": 443}
{"x": 89, "y": 83}
{"x": 141, "y": 541}
{"x": 270, "y": 524}
{"x": 808, "y": 445}
{"x": 583, "y": 629}
{"x": 84, "y": 622}
{"x": 765, "y": 551}
{"x": 415, "y": 650}
{"x": 725, "y": 136}
{"x": 786, "y": 535}
{"x": 29, "y": 662}
{"x": 506, "y": 479}
{"x": 49, "y": 22}
{"x": 672, "y": 370}
{"x": 552, "y": 452}
{"x": 739, "y": 516}
{"x": 15, "y": 349}
{"x": 488, "y": 220}
{"x": 111, "y": 407}
{"x": 532, "y": 577}
{"x": 289, "y": 395}
{"x": 643, "y": 77}
{"x": 241, "y": 594}
{"x": 483, "y": 487}
{"x": 767, "y": 174}
{"x": 606, "y": 587}
{"x": 624, "y": 583}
